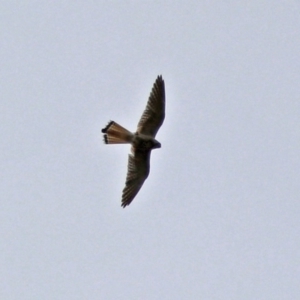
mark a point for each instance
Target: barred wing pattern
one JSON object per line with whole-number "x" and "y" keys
{"x": 138, "y": 171}
{"x": 154, "y": 114}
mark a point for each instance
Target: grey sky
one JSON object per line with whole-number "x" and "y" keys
{"x": 218, "y": 217}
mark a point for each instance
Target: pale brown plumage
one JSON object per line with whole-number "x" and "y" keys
{"x": 142, "y": 141}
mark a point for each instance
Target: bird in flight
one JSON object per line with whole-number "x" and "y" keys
{"x": 142, "y": 141}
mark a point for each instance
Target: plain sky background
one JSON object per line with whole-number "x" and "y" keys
{"x": 219, "y": 216}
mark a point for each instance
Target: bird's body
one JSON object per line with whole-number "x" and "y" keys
{"x": 142, "y": 141}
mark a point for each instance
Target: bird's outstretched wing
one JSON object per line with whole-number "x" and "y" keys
{"x": 154, "y": 114}
{"x": 138, "y": 171}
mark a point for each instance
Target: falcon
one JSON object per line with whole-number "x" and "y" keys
{"x": 142, "y": 141}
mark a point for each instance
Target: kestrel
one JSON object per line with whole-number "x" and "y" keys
{"x": 142, "y": 141}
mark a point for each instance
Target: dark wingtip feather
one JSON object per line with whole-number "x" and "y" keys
{"x": 124, "y": 204}
{"x": 159, "y": 77}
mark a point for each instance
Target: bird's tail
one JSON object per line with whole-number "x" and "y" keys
{"x": 116, "y": 134}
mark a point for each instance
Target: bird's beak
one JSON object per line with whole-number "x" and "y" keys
{"x": 157, "y": 145}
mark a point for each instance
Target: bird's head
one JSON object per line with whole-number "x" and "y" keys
{"x": 156, "y": 144}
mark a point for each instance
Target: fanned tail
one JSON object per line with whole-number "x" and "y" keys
{"x": 116, "y": 134}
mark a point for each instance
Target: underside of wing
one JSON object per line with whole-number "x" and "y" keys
{"x": 138, "y": 171}
{"x": 154, "y": 114}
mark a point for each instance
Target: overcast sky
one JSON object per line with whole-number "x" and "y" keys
{"x": 218, "y": 217}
